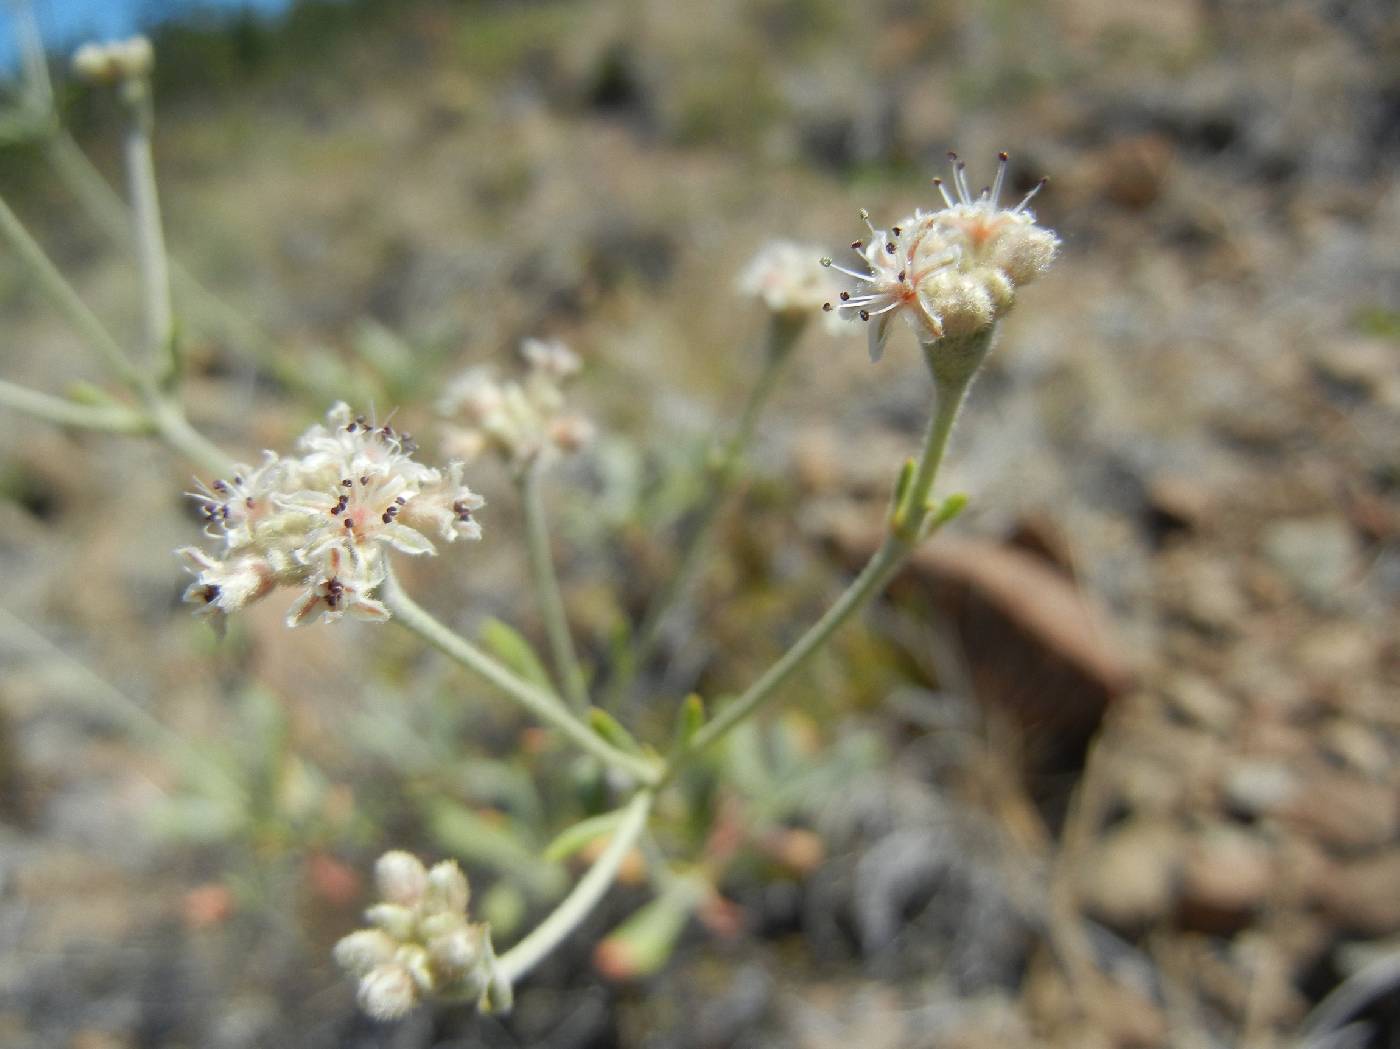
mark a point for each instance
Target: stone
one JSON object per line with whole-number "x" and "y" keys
{"x": 1258, "y": 787}
{"x": 1129, "y": 879}
{"x": 1225, "y": 880}
{"x": 1317, "y": 555}
{"x": 1363, "y": 897}
{"x": 1201, "y": 702}
{"x": 1345, "y": 813}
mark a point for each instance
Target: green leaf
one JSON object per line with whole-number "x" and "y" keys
{"x": 571, "y": 839}
{"x": 690, "y": 721}
{"x": 642, "y": 944}
{"x": 899, "y": 512}
{"x": 511, "y": 648}
{"x": 607, "y": 726}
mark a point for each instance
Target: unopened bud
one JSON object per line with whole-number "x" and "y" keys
{"x": 361, "y": 951}
{"x": 457, "y": 952}
{"x": 446, "y": 891}
{"x": 400, "y": 877}
{"x": 396, "y": 920}
{"x": 388, "y": 992}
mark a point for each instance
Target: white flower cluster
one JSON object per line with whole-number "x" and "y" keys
{"x": 420, "y": 943}
{"x": 522, "y": 422}
{"x": 115, "y": 61}
{"x": 953, "y": 272}
{"x": 322, "y": 521}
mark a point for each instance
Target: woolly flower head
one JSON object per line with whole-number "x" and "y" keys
{"x": 521, "y": 421}
{"x": 788, "y": 278}
{"x": 420, "y": 944}
{"x": 951, "y": 273}
{"x": 323, "y": 521}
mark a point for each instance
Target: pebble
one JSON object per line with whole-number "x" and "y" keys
{"x": 1225, "y": 880}
{"x": 1363, "y": 897}
{"x": 1129, "y": 879}
{"x": 1317, "y": 555}
{"x": 1255, "y": 787}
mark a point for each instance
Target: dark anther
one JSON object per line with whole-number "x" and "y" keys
{"x": 386, "y": 517}
{"x": 896, "y": 230}
{"x": 364, "y": 480}
{"x": 826, "y": 307}
{"x": 845, "y": 296}
{"x": 865, "y": 315}
{"x": 856, "y": 245}
{"x": 1003, "y": 156}
{"x": 902, "y": 275}
{"x": 890, "y": 247}
{"x": 348, "y": 483}
{"x": 349, "y": 522}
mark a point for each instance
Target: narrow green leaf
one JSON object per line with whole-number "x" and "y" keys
{"x": 611, "y": 730}
{"x": 898, "y": 511}
{"x": 572, "y": 839}
{"x": 511, "y": 648}
{"x": 692, "y": 717}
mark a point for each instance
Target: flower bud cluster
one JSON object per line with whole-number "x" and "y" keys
{"x": 324, "y": 520}
{"x": 520, "y": 421}
{"x": 419, "y": 943}
{"x": 951, "y": 273}
{"x": 114, "y": 62}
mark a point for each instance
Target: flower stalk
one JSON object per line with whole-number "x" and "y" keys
{"x": 541, "y": 704}
{"x": 151, "y": 255}
{"x": 592, "y": 887}
{"x": 547, "y": 591}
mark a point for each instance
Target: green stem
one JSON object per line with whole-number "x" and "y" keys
{"x": 168, "y": 419}
{"x": 60, "y": 410}
{"x": 722, "y": 470}
{"x": 547, "y": 592}
{"x": 907, "y": 529}
{"x": 579, "y": 904}
{"x": 151, "y": 255}
{"x": 542, "y": 704}
{"x": 64, "y": 298}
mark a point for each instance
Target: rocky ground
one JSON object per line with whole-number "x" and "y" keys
{"x": 1115, "y": 765}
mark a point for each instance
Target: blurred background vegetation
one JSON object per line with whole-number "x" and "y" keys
{"x": 1114, "y": 765}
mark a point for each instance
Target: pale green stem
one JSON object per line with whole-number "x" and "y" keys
{"x": 578, "y": 905}
{"x": 169, "y": 421}
{"x": 907, "y": 528}
{"x": 38, "y": 89}
{"x": 544, "y": 705}
{"x": 60, "y": 410}
{"x": 64, "y": 298}
{"x": 149, "y": 235}
{"x": 722, "y": 470}
{"x": 547, "y": 592}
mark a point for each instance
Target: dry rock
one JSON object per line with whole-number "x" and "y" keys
{"x": 1225, "y": 879}
{"x": 1363, "y": 897}
{"x": 1129, "y": 879}
{"x": 1344, "y": 812}
{"x": 1318, "y": 556}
